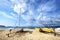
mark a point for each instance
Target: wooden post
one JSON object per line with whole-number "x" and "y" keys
{"x": 54, "y": 32}
{"x": 10, "y": 30}
{"x": 22, "y": 30}
{"x": 8, "y": 35}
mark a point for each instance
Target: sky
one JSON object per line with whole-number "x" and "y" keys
{"x": 30, "y": 12}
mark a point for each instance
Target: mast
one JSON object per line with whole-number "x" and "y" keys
{"x": 19, "y": 20}
{"x": 19, "y": 17}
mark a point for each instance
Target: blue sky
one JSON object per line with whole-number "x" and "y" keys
{"x": 32, "y": 12}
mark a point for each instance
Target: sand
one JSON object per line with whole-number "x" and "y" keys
{"x": 27, "y": 35}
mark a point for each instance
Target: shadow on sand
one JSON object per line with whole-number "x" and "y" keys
{"x": 20, "y": 32}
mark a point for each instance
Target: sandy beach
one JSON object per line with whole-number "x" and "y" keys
{"x": 31, "y": 34}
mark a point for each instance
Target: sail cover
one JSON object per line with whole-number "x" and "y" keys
{"x": 30, "y": 13}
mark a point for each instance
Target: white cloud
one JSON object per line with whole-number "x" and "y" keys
{"x": 25, "y": 25}
{"x": 29, "y": 16}
{"x": 26, "y": 18}
{"x": 39, "y": 16}
{"x": 13, "y": 14}
{"x": 43, "y": 9}
{"x": 19, "y": 6}
{"x": 48, "y": 6}
{"x": 6, "y": 15}
{"x": 56, "y": 17}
